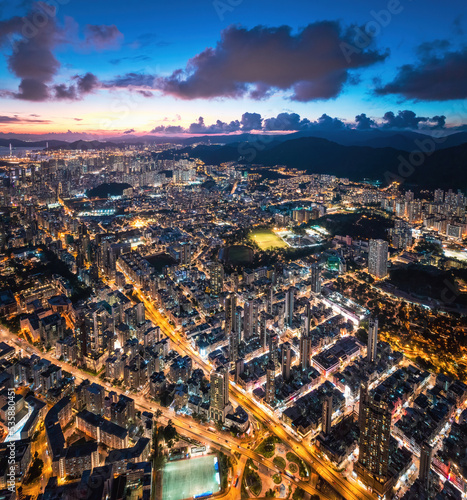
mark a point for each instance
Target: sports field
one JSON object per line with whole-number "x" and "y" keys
{"x": 188, "y": 478}
{"x": 265, "y": 238}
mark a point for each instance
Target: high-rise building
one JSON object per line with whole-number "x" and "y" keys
{"x": 233, "y": 347}
{"x": 216, "y": 274}
{"x": 286, "y": 360}
{"x": 426, "y": 453}
{"x": 401, "y": 235}
{"x": 271, "y": 371}
{"x": 250, "y": 318}
{"x": 185, "y": 254}
{"x": 269, "y": 299}
{"x": 231, "y": 327}
{"x": 239, "y": 369}
{"x": 315, "y": 278}
{"x": 439, "y": 196}
{"x": 230, "y": 313}
{"x": 273, "y": 343}
{"x": 372, "y": 340}
{"x": 305, "y": 340}
{"x": 262, "y": 331}
{"x": 375, "y": 433}
{"x": 378, "y": 258}
{"x": 362, "y": 403}
{"x": 270, "y": 382}
{"x": 289, "y": 306}
{"x": 219, "y": 393}
{"x": 327, "y": 415}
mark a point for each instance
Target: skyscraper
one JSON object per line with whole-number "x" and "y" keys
{"x": 362, "y": 403}
{"x": 286, "y": 360}
{"x": 271, "y": 371}
{"x": 273, "y": 343}
{"x": 185, "y": 254}
{"x": 263, "y": 335}
{"x": 269, "y": 299}
{"x": 378, "y": 258}
{"x": 219, "y": 393}
{"x": 250, "y": 318}
{"x": 372, "y": 340}
{"x": 289, "y": 306}
{"x": 216, "y": 273}
{"x": 315, "y": 278}
{"x": 270, "y": 382}
{"x": 230, "y": 313}
{"x": 375, "y": 433}
{"x": 230, "y": 327}
{"x": 233, "y": 347}
{"x": 239, "y": 368}
{"x": 305, "y": 340}
{"x": 426, "y": 454}
{"x": 327, "y": 415}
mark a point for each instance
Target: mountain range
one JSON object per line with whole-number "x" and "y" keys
{"x": 407, "y": 157}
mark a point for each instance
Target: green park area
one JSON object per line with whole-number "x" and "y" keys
{"x": 266, "y": 239}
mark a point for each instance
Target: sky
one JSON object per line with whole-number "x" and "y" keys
{"x": 80, "y": 68}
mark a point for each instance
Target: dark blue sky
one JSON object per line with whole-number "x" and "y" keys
{"x": 107, "y": 67}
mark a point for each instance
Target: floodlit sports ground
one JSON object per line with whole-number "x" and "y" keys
{"x": 188, "y": 478}
{"x": 265, "y": 239}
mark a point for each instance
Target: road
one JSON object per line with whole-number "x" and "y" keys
{"x": 349, "y": 490}
{"x": 189, "y": 426}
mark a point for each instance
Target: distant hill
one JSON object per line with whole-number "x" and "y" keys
{"x": 410, "y": 141}
{"x": 444, "y": 168}
{"x": 86, "y": 145}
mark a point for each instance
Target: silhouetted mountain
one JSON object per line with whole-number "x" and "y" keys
{"x": 86, "y": 145}
{"x": 410, "y": 141}
{"x": 444, "y": 168}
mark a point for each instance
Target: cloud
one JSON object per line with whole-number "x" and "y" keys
{"x": 82, "y": 85}
{"x": 138, "y": 58}
{"x": 291, "y": 122}
{"x": 34, "y": 39}
{"x": 136, "y": 81}
{"x": 146, "y": 40}
{"x": 129, "y": 131}
{"x": 251, "y": 121}
{"x": 409, "y": 120}
{"x": 309, "y": 64}
{"x": 219, "y": 127}
{"x": 435, "y": 78}
{"x": 102, "y": 37}
{"x": 170, "y": 129}
{"x": 18, "y": 120}
{"x": 363, "y": 122}
{"x": 286, "y": 121}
